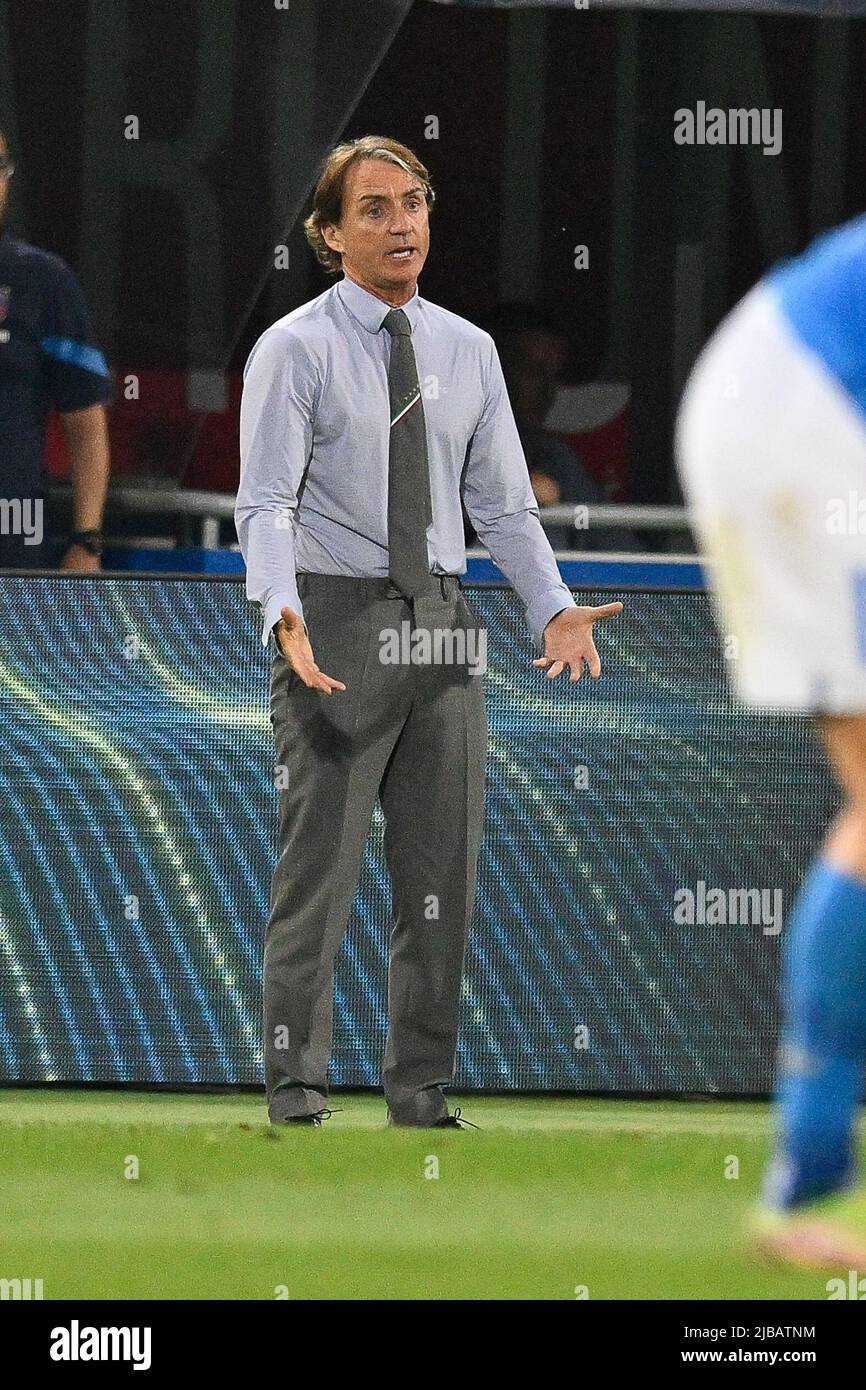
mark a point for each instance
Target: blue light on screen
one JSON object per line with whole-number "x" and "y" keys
{"x": 139, "y": 826}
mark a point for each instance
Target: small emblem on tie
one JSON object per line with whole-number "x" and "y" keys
{"x": 415, "y": 396}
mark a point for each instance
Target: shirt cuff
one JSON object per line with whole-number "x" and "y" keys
{"x": 541, "y": 610}
{"x": 272, "y": 609}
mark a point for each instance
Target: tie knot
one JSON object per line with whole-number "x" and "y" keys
{"x": 397, "y": 323}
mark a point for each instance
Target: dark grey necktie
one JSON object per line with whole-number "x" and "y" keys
{"x": 409, "y": 510}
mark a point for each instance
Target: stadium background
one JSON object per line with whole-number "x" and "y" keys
{"x": 554, "y": 130}
{"x": 144, "y": 784}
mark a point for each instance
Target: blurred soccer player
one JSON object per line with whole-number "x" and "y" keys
{"x": 772, "y": 452}
{"x": 47, "y": 358}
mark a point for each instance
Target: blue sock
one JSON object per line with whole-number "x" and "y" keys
{"x": 820, "y": 1083}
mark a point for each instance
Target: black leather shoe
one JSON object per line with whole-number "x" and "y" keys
{"x": 454, "y": 1121}
{"x": 315, "y": 1118}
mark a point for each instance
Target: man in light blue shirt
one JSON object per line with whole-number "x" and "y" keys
{"x": 366, "y": 395}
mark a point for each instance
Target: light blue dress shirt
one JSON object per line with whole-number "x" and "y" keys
{"x": 314, "y": 434}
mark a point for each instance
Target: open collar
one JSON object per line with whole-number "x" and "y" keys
{"x": 371, "y": 311}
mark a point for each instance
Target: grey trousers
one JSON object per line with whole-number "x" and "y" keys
{"x": 416, "y": 737}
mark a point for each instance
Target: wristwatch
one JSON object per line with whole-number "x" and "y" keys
{"x": 88, "y": 540}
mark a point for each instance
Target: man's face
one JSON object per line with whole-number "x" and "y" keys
{"x": 4, "y": 184}
{"x": 384, "y": 209}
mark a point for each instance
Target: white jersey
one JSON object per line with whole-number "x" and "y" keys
{"x": 771, "y": 447}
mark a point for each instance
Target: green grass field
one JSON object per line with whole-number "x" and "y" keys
{"x": 628, "y": 1199}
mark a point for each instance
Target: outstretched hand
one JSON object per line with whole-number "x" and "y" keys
{"x": 295, "y": 646}
{"x": 568, "y": 641}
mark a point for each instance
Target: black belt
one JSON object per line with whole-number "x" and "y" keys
{"x": 441, "y": 585}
